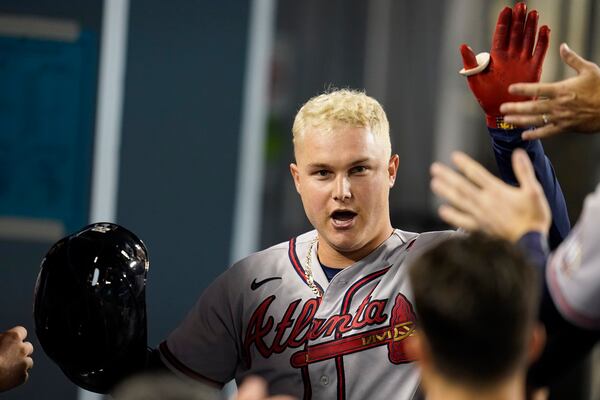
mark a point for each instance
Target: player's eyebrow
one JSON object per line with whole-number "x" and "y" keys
{"x": 327, "y": 166}
{"x": 319, "y": 165}
{"x": 361, "y": 161}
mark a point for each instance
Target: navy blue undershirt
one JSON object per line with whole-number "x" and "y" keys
{"x": 329, "y": 272}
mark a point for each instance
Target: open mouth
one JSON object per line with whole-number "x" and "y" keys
{"x": 343, "y": 218}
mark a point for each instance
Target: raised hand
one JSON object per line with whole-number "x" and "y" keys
{"x": 513, "y": 58}
{"x": 478, "y": 201}
{"x": 570, "y": 105}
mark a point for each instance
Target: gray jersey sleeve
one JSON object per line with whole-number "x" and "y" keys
{"x": 204, "y": 345}
{"x": 573, "y": 272}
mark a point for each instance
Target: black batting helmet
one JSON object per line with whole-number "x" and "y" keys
{"x": 90, "y": 307}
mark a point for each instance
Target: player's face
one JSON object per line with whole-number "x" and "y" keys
{"x": 344, "y": 177}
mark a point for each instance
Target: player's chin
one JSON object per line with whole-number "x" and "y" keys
{"x": 344, "y": 240}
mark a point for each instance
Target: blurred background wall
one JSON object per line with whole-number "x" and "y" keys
{"x": 179, "y": 134}
{"x": 208, "y": 94}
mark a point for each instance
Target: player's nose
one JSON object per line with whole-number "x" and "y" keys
{"x": 342, "y": 190}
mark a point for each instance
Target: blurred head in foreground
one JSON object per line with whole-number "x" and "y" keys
{"x": 477, "y": 300}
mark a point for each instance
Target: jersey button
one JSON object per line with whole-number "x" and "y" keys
{"x": 324, "y": 380}
{"x": 342, "y": 282}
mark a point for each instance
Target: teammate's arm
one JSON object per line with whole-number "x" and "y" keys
{"x": 515, "y": 57}
{"x": 503, "y": 145}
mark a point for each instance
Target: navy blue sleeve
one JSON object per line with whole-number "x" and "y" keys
{"x": 535, "y": 247}
{"x": 534, "y": 244}
{"x": 503, "y": 144}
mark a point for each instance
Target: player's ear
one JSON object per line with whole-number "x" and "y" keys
{"x": 296, "y": 175}
{"x": 537, "y": 342}
{"x": 393, "y": 168}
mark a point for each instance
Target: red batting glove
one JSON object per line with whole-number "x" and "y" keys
{"x": 512, "y": 60}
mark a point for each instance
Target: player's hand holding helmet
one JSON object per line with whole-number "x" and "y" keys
{"x": 513, "y": 58}
{"x": 90, "y": 309}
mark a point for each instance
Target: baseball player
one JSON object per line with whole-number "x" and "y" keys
{"x": 478, "y": 301}
{"x": 328, "y": 313}
{"x": 573, "y": 272}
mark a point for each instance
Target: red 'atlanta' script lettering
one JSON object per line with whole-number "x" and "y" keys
{"x": 295, "y": 330}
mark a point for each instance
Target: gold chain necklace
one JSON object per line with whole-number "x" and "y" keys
{"x": 308, "y": 269}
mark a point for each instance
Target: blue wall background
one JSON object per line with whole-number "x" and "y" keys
{"x": 179, "y": 153}
{"x": 181, "y": 118}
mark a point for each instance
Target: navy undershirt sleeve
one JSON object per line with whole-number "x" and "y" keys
{"x": 535, "y": 246}
{"x": 503, "y": 143}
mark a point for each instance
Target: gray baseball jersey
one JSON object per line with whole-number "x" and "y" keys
{"x": 573, "y": 272}
{"x": 262, "y": 317}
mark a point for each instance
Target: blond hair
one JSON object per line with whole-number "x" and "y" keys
{"x": 342, "y": 107}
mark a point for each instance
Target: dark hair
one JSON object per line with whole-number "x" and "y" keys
{"x": 476, "y": 299}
